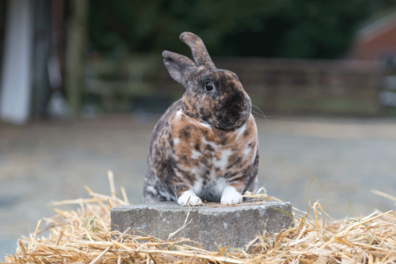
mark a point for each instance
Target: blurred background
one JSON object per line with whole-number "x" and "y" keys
{"x": 82, "y": 84}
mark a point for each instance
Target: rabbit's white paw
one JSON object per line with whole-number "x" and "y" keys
{"x": 230, "y": 196}
{"x": 190, "y": 197}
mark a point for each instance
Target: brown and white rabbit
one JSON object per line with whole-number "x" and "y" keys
{"x": 205, "y": 146}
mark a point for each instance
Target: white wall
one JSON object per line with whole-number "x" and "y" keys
{"x": 15, "y": 86}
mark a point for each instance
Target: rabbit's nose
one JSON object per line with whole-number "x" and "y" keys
{"x": 244, "y": 108}
{"x": 244, "y": 111}
{"x": 241, "y": 107}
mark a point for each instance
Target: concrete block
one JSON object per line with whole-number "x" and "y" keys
{"x": 211, "y": 227}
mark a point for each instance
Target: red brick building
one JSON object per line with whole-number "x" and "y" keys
{"x": 377, "y": 41}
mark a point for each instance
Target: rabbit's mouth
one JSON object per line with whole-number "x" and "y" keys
{"x": 233, "y": 118}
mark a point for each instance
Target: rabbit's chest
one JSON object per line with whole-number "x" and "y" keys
{"x": 210, "y": 158}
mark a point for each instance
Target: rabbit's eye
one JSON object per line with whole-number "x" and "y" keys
{"x": 209, "y": 86}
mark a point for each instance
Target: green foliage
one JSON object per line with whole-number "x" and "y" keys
{"x": 270, "y": 28}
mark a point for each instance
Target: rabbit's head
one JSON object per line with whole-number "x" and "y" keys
{"x": 213, "y": 96}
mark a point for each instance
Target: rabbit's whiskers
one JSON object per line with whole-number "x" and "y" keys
{"x": 262, "y": 114}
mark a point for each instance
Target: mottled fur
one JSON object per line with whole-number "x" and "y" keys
{"x": 205, "y": 146}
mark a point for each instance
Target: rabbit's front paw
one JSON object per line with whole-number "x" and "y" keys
{"x": 189, "y": 197}
{"x": 230, "y": 196}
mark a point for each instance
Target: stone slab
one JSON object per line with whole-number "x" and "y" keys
{"x": 211, "y": 227}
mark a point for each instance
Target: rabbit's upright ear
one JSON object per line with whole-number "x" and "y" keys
{"x": 199, "y": 51}
{"x": 180, "y": 67}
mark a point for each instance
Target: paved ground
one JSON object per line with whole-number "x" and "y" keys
{"x": 45, "y": 162}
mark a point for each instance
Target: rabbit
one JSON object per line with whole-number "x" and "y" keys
{"x": 205, "y": 146}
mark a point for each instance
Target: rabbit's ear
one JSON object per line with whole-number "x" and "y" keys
{"x": 180, "y": 67}
{"x": 200, "y": 54}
